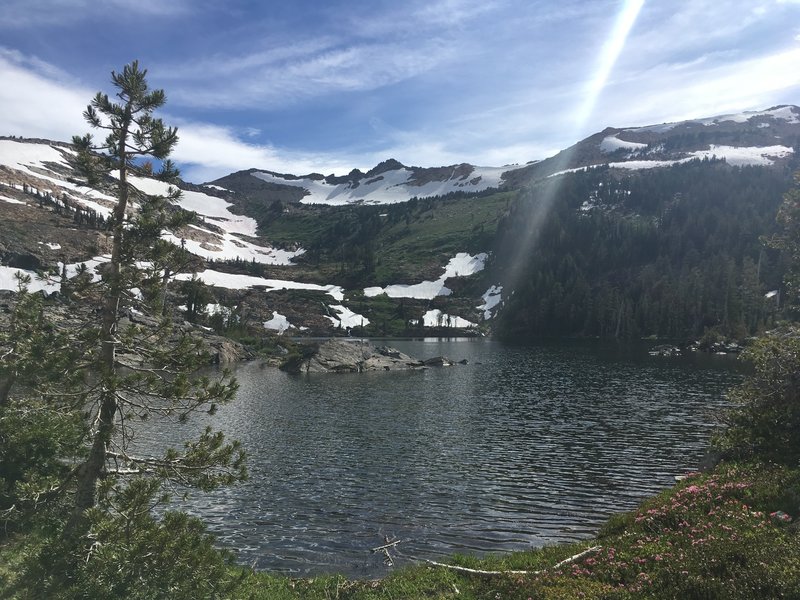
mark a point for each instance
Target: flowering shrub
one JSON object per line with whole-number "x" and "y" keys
{"x": 722, "y": 535}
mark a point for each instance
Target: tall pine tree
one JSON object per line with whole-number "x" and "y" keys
{"x": 159, "y": 381}
{"x": 93, "y": 377}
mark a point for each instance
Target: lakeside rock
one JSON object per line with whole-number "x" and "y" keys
{"x": 357, "y": 356}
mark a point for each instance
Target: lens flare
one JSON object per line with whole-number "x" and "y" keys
{"x": 608, "y": 58}
{"x": 547, "y": 194}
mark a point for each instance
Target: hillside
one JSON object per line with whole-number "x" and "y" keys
{"x": 642, "y": 231}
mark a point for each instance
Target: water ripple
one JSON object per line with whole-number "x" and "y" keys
{"x": 518, "y": 448}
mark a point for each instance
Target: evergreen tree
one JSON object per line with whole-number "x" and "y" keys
{"x": 109, "y": 376}
{"x": 164, "y": 375}
{"x": 765, "y": 419}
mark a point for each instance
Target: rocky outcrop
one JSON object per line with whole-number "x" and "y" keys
{"x": 356, "y": 356}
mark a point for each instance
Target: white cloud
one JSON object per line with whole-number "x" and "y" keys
{"x": 430, "y": 82}
{"x": 36, "y": 101}
{"x": 207, "y": 152}
{"x": 662, "y": 94}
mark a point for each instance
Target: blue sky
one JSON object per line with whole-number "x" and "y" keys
{"x": 327, "y": 86}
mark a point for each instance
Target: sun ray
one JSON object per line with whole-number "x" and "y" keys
{"x": 608, "y": 58}
{"x": 548, "y": 194}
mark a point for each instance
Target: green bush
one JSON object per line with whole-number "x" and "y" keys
{"x": 765, "y": 419}
{"x": 130, "y": 554}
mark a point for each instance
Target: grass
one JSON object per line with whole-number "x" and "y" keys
{"x": 434, "y": 236}
{"x": 407, "y": 250}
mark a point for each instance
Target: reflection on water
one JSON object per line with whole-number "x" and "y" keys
{"x": 520, "y": 447}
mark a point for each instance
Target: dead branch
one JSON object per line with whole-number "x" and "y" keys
{"x": 389, "y": 545}
{"x": 539, "y": 572}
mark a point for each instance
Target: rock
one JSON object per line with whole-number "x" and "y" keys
{"x": 390, "y": 352}
{"x": 438, "y": 361}
{"x": 349, "y": 356}
{"x": 665, "y": 350}
{"x": 224, "y": 351}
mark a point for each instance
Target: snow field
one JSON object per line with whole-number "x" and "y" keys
{"x": 241, "y": 282}
{"x": 491, "y": 299}
{"x": 278, "y": 323}
{"x": 733, "y": 155}
{"x": 211, "y": 207}
{"x": 612, "y": 143}
{"x": 436, "y": 318}
{"x": 389, "y": 187}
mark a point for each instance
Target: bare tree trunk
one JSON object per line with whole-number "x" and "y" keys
{"x": 92, "y": 469}
{"x": 6, "y": 383}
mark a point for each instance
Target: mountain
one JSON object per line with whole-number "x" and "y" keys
{"x": 768, "y": 137}
{"x": 386, "y": 183}
{"x": 749, "y": 138}
{"x": 630, "y": 232}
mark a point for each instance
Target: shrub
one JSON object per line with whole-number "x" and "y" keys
{"x": 765, "y": 421}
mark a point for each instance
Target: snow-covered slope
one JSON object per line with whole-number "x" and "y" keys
{"x": 389, "y": 183}
{"x": 39, "y": 167}
{"x": 763, "y": 138}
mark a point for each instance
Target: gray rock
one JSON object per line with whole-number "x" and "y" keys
{"x": 438, "y": 361}
{"x": 357, "y": 356}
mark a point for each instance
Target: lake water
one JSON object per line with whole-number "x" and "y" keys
{"x": 522, "y": 446}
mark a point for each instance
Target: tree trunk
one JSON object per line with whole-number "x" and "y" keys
{"x": 6, "y": 383}
{"x": 91, "y": 470}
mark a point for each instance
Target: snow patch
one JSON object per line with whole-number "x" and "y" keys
{"x": 234, "y": 281}
{"x": 212, "y": 208}
{"x": 784, "y": 113}
{"x": 24, "y": 156}
{"x": 491, "y": 299}
{"x": 613, "y": 143}
{"x": 11, "y": 200}
{"x": 229, "y": 247}
{"x": 8, "y": 280}
{"x": 51, "y": 283}
{"x": 436, "y": 318}
{"x": 18, "y": 155}
{"x": 461, "y": 265}
{"x": 740, "y": 156}
{"x": 736, "y": 156}
{"x": 278, "y": 323}
{"x": 346, "y": 318}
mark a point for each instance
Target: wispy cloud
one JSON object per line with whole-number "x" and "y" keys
{"x": 38, "y": 102}
{"x": 270, "y": 77}
{"x": 38, "y": 13}
{"x": 429, "y": 82}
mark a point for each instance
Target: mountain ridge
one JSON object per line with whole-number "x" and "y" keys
{"x": 377, "y": 251}
{"x": 771, "y": 135}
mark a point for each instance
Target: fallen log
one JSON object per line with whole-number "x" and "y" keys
{"x": 566, "y": 561}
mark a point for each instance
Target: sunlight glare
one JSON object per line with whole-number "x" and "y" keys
{"x": 608, "y": 58}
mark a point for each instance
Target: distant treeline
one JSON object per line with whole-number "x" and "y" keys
{"x": 65, "y": 206}
{"x": 665, "y": 252}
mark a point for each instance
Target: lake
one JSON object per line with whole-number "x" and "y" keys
{"x": 520, "y": 447}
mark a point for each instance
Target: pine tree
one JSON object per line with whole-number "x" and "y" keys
{"x": 101, "y": 379}
{"x": 161, "y": 383}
